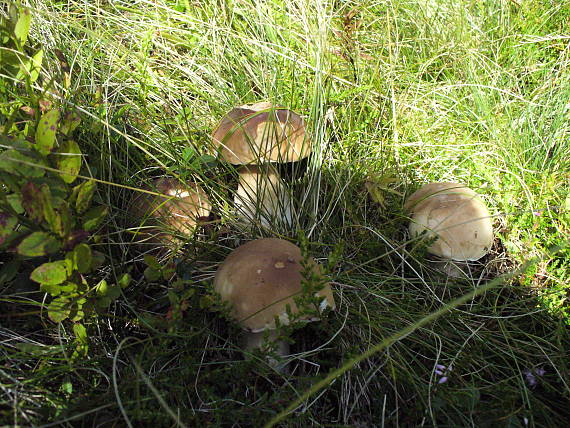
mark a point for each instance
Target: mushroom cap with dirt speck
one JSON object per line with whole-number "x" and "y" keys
{"x": 259, "y": 133}
{"x": 456, "y": 216}
{"x": 260, "y": 278}
{"x": 159, "y": 218}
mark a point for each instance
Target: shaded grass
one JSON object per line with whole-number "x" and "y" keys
{"x": 399, "y": 93}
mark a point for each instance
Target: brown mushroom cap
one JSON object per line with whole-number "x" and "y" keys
{"x": 178, "y": 210}
{"x": 456, "y": 216}
{"x": 260, "y": 278}
{"x": 261, "y": 196}
{"x": 260, "y": 133}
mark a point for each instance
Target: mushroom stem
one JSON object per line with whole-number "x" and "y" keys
{"x": 261, "y": 340}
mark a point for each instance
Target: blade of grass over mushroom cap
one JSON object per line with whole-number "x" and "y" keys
{"x": 259, "y": 133}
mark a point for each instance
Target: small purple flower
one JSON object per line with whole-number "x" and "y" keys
{"x": 530, "y": 378}
{"x": 531, "y": 375}
{"x": 442, "y": 371}
{"x": 537, "y": 213}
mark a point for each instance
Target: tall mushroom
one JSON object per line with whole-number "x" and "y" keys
{"x": 260, "y": 281}
{"x": 255, "y": 136}
{"x": 160, "y": 220}
{"x": 455, "y": 216}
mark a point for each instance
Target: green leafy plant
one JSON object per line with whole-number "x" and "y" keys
{"x": 47, "y": 215}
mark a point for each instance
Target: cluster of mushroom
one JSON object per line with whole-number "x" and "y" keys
{"x": 262, "y": 278}
{"x": 254, "y": 138}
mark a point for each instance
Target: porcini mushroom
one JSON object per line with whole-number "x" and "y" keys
{"x": 260, "y": 281}
{"x": 454, "y": 215}
{"x": 259, "y": 133}
{"x": 161, "y": 219}
{"x": 262, "y": 198}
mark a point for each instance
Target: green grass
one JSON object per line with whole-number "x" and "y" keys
{"x": 396, "y": 94}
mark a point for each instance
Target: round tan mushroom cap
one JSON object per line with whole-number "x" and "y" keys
{"x": 260, "y": 278}
{"x": 159, "y": 218}
{"x": 259, "y": 133}
{"x": 456, "y": 216}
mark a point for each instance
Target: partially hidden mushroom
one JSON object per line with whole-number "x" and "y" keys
{"x": 260, "y": 280}
{"x": 161, "y": 220}
{"x": 455, "y": 216}
{"x": 261, "y": 196}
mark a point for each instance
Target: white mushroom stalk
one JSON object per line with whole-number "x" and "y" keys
{"x": 262, "y": 198}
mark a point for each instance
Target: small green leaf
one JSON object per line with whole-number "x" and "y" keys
{"x": 68, "y": 160}
{"x": 152, "y": 274}
{"x": 98, "y": 259}
{"x": 70, "y": 122}
{"x": 22, "y": 27}
{"x": 113, "y": 292}
{"x": 124, "y": 280}
{"x": 15, "y": 202}
{"x": 68, "y": 287}
{"x": 85, "y": 192}
{"x": 36, "y": 65}
{"x": 94, "y": 217}
{"x": 188, "y": 153}
{"x": 103, "y": 302}
{"x": 16, "y": 162}
{"x": 52, "y": 290}
{"x": 46, "y": 132}
{"x": 38, "y": 244}
{"x": 7, "y": 224}
{"x": 82, "y": 258}
{"x": 50, "y": 273}
{"x": 9, "y": 270}
{"x": 67, "y": 387}
{"x": 101, "y": 288}
{"x": 33, "y": 201}
{"x": 59, "y": 309}
{"x": 152, "y": 262}
{"x": 80, "y": 333}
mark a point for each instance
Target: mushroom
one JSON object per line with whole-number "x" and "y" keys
{"x": 260, "y": 280}
{"x": 177, "y": 211}
{"x": 254, "y": 136}
{"x": 261, "y": 195}
{"x": 454, "y": 215}
{"x": 259, "y": 133}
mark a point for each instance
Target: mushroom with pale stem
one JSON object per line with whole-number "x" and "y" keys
{"x": 454, "y": 215}
{"x": 260, "y": 280}
{"x": 262, "y": 196}
{"x": 260, "y": 133}
{"x": 176, "y": 211}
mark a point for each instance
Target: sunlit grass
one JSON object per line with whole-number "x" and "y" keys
{"x": 395, "y": 94}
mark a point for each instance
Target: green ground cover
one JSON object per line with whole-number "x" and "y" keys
{"x": 396, "y": 94}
